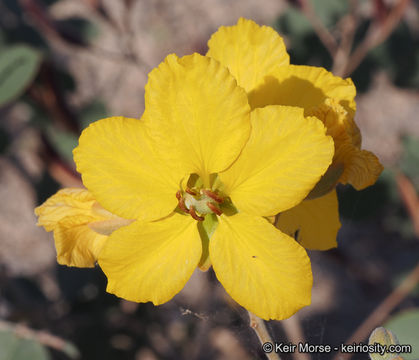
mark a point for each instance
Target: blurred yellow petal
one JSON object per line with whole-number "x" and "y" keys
{"x": 151, "y": 261}
{"x": 66, "y": 202}
{"x": 264, "y": 270}
{"x": 76, "y": 243}
{"x": 284, "y": 158}
{"x": 303, "y": 86}
{"x": 195, "y": 108}
{"x": 316, "y": 222}
{"x": 361, "y": 167}
{"x": 70, "y": 213}
{"x": 248, "y": 50}
{"x": 119, "y": 165}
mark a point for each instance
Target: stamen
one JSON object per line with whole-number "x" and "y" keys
{"x": 214, "y": 209}
{"x": 193, "y": 213}
{"x": 189, "y": 191}
{"x": 213, "y": 196}
{"x": 182, "y": 202}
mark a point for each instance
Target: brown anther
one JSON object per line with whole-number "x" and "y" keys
{"x": 183, "y": 206}
{"x": 214, "y": 209}
{"x": 213, "y": 196}
{"x": 195, "y": 215}
{"x": 189, "y": 191}
{"x": 178, "y": 195}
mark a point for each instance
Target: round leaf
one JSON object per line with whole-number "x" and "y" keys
{"x": 18, "y": 67}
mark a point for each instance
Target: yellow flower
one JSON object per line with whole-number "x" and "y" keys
{"x": 199, "y": 173}
{"x": 257, "y": 58}
{"x": 80, "y": 225}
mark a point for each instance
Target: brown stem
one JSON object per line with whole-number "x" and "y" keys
{"x": 377, "y": 317}
{"x": 322, "y": 32}
{"x": 410, "y": 199}
{"x": 259, "y": 327}
{"x": 294, "y": 333}
{"x": 377, "y": 33}
{"x": 348, "y": 26}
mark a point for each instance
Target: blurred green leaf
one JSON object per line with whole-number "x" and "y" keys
{"x": 330, "y": 11}
{"x": 406, "y": 327}
{"x": 295, "y": 23}
{"x": 13, "y": 347}
{"x": 63, "y": 142}
{"x": 78, "y": 28}
{"x": 18, "y": 66}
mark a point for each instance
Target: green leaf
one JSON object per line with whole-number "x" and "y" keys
{"x": 13, "y": 347}
{"x": 293, "y": 22}
{"x": 62, "y": 141}
{"x": 406, "y": 327}
{"x": 330, "y": 11}
{"x": 18, "y": 66}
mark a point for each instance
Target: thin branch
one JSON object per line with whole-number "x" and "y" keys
{"x": 377, "y": 317}
{"x": 348, "y": 25}
{"x": 322, "y": 32}
{"x": 377, "y": 33}
{"x": 258, "y": 325}
{"x": 410, "y": 199}
{"x": 295, "y": 335}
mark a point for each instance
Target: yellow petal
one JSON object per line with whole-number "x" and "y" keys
{"x": 361, "y": 167}
{"x": 77, "y": 244}
{"x": 66, "y": 202}
{"x": 264, "y": 270}
{"x": 194, "y": 107}
{"x": 248, "y": 50}
{"x": 151, "y": 261}
{"x": 303, "y": 86}
{"x": 119, "y": 165}
{"x": 69, "y": 213}
{"x": 282, "y": 161}
{"x": 316, "y": 222}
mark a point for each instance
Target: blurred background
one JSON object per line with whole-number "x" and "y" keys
{"x": 66, "y": 63}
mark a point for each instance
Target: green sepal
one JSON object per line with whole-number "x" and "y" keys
{"x": 206, "y": 229}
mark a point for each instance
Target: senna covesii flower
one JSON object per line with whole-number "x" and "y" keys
{"x": 256, "y": 56}
{"x": 192, "y": 184}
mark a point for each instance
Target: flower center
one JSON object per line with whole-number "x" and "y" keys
{"x": 199, "y": 202}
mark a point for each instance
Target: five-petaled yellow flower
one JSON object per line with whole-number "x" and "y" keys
{"x": 227, "y": 141}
